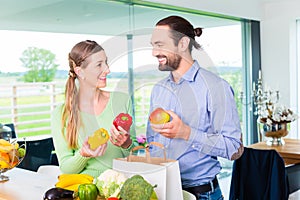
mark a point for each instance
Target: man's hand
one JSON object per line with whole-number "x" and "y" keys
{"x": 176, "y": 128}
{"x": 239, "y": 153}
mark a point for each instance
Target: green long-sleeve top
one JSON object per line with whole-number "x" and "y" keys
{"x": 70, "y": 160}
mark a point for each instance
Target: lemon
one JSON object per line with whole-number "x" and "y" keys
{"x": 16, "y": 145}
{"x": 4, "y": 164}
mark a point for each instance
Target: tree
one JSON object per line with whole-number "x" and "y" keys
{"x": 41, "y": 65}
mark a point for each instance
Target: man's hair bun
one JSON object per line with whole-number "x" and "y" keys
{"x": 198, "y": 32}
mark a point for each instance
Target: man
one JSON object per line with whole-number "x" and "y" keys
{"x": 204, "y": 119}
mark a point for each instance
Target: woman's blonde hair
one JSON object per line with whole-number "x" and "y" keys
{"x": 71, "y": 115}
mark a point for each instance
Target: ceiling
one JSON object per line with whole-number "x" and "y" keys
{"x": 87, "y": 17}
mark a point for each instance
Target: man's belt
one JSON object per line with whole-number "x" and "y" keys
{"x": 203, "y": 188}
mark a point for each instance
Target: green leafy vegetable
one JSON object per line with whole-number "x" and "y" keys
{"x": 137, "y": 188}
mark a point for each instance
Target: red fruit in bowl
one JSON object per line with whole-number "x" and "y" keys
{"x": 159, "y": 116}
{"x": 124, "y": 120}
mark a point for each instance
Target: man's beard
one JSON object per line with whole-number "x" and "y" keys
{"x": 172, "y": 63}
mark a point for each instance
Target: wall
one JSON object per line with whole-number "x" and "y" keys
{"x": 279, "y": 56}
{"x": 278, "y": 40}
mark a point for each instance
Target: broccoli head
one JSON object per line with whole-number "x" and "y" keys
{"x": 136, "y": 188}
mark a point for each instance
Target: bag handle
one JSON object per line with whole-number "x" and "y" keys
{"x": 148, "y": 156}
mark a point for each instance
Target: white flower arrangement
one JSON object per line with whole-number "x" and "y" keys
{"x": 275, "y": 114}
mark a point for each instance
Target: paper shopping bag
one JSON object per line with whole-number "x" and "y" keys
{"x": 157, "y": 171}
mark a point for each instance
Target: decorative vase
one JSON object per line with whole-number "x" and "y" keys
{"x": 274, "y": 132}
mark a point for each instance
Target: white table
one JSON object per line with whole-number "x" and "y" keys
{"x": 24, "y": 185}
{"x": 28, "y": 185}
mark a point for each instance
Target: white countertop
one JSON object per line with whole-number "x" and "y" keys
{"x": 24, "y": 185}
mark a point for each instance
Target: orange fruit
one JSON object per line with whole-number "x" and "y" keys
{"x": 5, "y": 156}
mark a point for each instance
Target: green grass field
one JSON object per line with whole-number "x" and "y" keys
{"x": 28, "y": 106}
{"x": 30, "y": 112}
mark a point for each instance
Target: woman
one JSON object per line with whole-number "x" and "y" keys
{"x": 87, "y": 108}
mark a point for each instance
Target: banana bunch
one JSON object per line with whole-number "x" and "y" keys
{"x": 6, "y": 147}
{"x": 72, "y": 181}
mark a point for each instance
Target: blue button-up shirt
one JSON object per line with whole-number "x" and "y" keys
{"x": 205, "y": 102}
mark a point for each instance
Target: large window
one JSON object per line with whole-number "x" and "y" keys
{"x": 298, "y": 71}
{"x": 221, "y": 53}
{"x": 124, "y": 31}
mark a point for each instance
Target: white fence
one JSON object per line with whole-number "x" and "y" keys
{"x": 25, "y": 104}
{"x": 29, "y": 105}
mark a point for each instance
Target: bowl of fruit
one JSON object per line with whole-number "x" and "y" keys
{"x": 11, "y": 155}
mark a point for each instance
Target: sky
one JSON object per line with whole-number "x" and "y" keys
{"x": 217, "y": 44}
{"x": 13, "y": 43}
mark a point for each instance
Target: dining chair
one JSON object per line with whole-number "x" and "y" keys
{"x": 54, "y": 159}
{"x": 259, "y": 174}
{"x": 38, "y": 152}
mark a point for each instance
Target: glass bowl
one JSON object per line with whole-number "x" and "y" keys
{"x": 11, "y": 155}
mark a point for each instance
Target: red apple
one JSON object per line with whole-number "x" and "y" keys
{"x": 159, "y": 116}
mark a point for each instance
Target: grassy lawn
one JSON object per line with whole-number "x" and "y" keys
{"x": 28, "y": 112}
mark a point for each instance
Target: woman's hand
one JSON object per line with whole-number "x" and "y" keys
{"x": 173, "y": 129}
{"x": 85, "y": 150}
{"x": 120, "y": 138}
